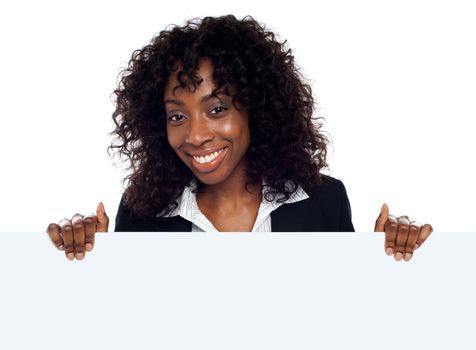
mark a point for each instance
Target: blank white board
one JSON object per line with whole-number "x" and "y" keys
{"x": 237, "y": 291}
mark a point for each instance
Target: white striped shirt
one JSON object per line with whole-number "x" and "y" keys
{"x": 189, "y": 210}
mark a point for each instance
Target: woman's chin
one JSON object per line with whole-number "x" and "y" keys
{"x": 209, "y": 179}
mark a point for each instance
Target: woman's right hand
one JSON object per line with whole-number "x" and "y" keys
{"x": 76, "y": 236}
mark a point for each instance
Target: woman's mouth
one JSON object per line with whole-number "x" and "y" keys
{"x": 209, "y": 162}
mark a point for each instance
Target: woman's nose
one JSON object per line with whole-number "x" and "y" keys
{"x": 199, "y": 131}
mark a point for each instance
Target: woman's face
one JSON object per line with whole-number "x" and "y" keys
{"x": 207, "y": 133}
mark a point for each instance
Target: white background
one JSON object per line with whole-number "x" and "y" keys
{"x": 395, "y": 81}
{"x": 237, "y": 291}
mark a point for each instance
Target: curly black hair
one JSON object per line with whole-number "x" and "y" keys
{"x": 286, "y": 149}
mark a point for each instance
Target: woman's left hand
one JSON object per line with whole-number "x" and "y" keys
{"x": 402, "y": 236}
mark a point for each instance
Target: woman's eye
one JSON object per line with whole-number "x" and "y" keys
{"x": 219, "y": 109}
{"x": 175, "y": 118}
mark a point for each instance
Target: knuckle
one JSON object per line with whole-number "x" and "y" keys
{"x": 391, "y": 225}
{"x": 57, "y": 242}
{"x": 66, "y": 228}
{"x": 89, "y": 237}
{"x": 409, "y": 247}
{"x": 64, "y": 222}
{"x": 428, "y": 227}
{"x": 77, "y": 220}
{"x": 68, "y": 248}
{"x": 399, "y": 249}
{"x": 52, "y": 226}
{"x": 89, "y": 220}
{"x": 403, "y": 221}
{"x": 392, "y": 218}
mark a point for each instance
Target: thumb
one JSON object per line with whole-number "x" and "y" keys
{"x": 103, "y": 220}
{"x": 382, "y": 219}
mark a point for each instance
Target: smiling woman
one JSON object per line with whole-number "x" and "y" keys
{"x": 218, "y": 126}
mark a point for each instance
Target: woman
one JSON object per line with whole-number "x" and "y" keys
{"x": 218, "y": 126}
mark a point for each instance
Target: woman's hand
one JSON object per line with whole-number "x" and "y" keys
{"x": 76, "y": 236}
{"x": 402, "y": 236}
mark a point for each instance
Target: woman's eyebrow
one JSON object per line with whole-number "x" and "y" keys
{"x": 202, "y": 100}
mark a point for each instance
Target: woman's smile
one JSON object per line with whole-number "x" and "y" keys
{"x": 210, "y": 161}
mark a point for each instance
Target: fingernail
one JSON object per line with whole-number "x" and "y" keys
{"x": 398, "y": 256}
{"x": 416, "y": 246}
{"x": 383, "y": 208}
{"x": 61, "y": 247}
{"x": 389, "y": 251}
{"x": 89, "y": 247}
{"x": 70, "y": 256}
{"x": 408, "y": 256}
{"x": 79, "y": 256}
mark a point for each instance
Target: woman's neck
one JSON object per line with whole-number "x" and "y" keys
{"x": 232, "y": 192}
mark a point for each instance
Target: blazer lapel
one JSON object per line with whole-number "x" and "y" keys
{"x": 288, "y": 217}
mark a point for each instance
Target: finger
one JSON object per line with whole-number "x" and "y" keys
{"x": 402, "y": 237}
{"x": 67, "y": 232}
{"x": 102, "y": 218}
{"x": 78, "y": 235}
{"x": 425, "y": 232}
{"x": 90, "y": 223}
{"x": 382, "y": 219}
{"x": 54, "y": 231}
{"x": 413, "y": 234}
{"x": 391, "y": 227}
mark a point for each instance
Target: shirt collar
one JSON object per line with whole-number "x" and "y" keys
{"x": 188, "y": 207}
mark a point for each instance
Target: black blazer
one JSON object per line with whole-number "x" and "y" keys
{"x": 326, "y": 210}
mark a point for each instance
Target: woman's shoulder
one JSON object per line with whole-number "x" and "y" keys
{"x": 327, "y": 209}
{"x": 327, "y": 186}
{"x": 329, "y": 196}
{"x": 127, "y": 221}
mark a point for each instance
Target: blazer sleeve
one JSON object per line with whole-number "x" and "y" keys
{"x": 124, "y": 219}
{"x": 345, "y": 211}
{"x": 329, "y": 207}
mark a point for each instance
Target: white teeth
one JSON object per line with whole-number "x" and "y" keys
{"x": 208, "y": 158}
